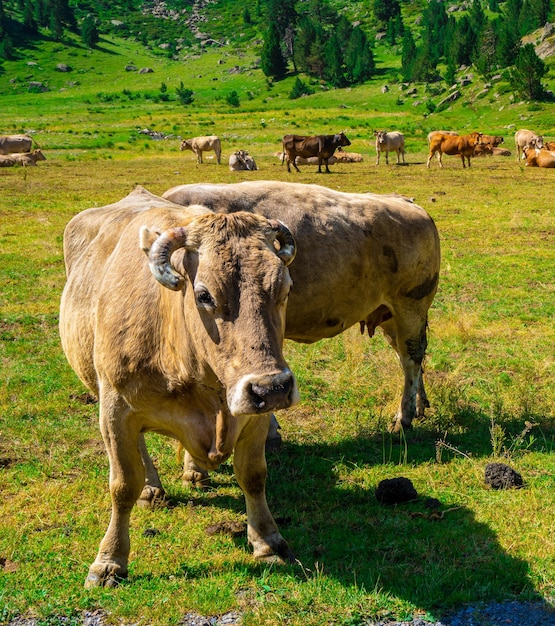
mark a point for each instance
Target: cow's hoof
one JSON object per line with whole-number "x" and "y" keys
{"x": 151, "y": 497}
{"x": 108, "y": 576}
{"x": 276, "y": 550}
{"x": 199, "y": 479}
{"x": 273, "y": 444}
{"x": 398, "y": 426}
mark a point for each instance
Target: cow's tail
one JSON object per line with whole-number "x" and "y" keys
{"x": 36, "y": 144}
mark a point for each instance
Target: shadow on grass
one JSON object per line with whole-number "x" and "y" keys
{"x": 434, "y": 554}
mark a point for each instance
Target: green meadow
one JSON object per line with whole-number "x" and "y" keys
{"x": 489, "y": 367}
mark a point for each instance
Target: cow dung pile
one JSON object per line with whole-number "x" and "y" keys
{"x": 502, "y": 476}
{"x": 395, "y": 491}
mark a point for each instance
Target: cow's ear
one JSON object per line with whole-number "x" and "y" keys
{"x": 147, "y": 237}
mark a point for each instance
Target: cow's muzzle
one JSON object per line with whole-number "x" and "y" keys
{"x": 262, "y": 394}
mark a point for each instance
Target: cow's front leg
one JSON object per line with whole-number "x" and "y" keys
{"x": 249, "y": 463}
{"x": 127, "y": 476}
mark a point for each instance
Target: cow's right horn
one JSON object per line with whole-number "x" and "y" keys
{"x": 287, "y": 244}
{"x": 159, "y": 257}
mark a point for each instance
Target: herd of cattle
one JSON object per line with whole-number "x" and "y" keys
{"x": 328, "y": 149}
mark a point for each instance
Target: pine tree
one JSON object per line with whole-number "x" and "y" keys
{"x": 384, "y": 10}
{"x": 359, "y": 60}
{"x": 89, "y": 31}
{"x": 408, "y": 55}
{"x": 272, "y": 62}
{"x": 527, "y": 74}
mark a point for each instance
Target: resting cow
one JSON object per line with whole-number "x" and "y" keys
{"x": 387, "y": 142}
{"x": 539, "y": 157}
{"x": 15, "y": 143}
{"x": 185, "y": 341}
{"x": 321, "y": 146}
{"x": 24, "y": 158}
{"x": 241, "y": 160}
{"x": 525, "y": 138}
{"x": 462, "y": 145}
{"x": 198, "y": 145}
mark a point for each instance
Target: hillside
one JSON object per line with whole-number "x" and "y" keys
{"x": 103, "y": 97}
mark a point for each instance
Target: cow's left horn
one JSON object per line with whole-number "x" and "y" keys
{"x": 287, "y": 244}
{"x": 159, "y": 257}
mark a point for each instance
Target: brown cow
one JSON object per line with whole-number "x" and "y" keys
{"x": 539, "y": 157}
{"x": 549, "y": 145}
{"x": 178, "y": 343}
{"x": 321, "y": 146}
{"x": 525, "y": 138}
{"x": 462, "y": 145}
{"x": 198, "y": 145}
{"x": 22, "y": 158}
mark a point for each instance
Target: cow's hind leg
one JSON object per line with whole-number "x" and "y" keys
{"x": 249, "y": 463}
{"x": 153, "y": 492}
{"x": 408, "y": 337}
{"x": 127, "y": 476}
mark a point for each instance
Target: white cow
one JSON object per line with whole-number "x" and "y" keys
{"x": 241, "y": 160}
{"x": 387, "y": 142}
{"x": 526, "y": 138}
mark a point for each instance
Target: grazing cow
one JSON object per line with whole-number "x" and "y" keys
{"x": 241, "y": 160}
{"x": 362, "y": 258}
{"x": 198, "y": 145}
{"x": 463, "y": 145}
{"x": 22, "y": 158}
{"x": 15, "y": 143}
{"x": 387, "y": 142}
{"x": 525, "y": 138}
{"x": 321, "y": 146}
{"x": 539, "y": 157}
{"x": 185, "y": 341}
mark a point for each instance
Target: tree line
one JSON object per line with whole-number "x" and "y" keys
{"x": 312, "y": 37}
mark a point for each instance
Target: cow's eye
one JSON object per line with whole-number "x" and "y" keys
{"x": 204, "y": 299}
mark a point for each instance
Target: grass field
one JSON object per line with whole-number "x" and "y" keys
{"x": 489, "y": 375}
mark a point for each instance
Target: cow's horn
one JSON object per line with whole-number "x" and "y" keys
{"x": 287, "y": 244}
{"x": 159, "y": 257}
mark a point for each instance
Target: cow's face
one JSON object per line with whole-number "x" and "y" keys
{"x": 380, "y": 136}
{"x": 343, "y": 140}
{"x": 186, "y": 145}
{"x": 234, "y": 286}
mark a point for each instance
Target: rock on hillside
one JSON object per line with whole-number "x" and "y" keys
{"x": 543, "y": 40}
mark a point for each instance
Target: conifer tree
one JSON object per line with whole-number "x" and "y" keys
{"x": 89, "y": 31}
{"x": 527, "y": 74}
{"x": 272, "y": 62}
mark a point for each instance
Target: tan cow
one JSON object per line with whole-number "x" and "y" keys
{"x": 198, "y": 145}
{"x": 175, "y": 342}
{"x": 24, "y": 158}
{"x": 364, "y": 259}
{"x": 524, "y": 138}
{"x": 241, "y": 160}
{"x": 462, "y": 145}
{"x": 15, "y": 143}
{"x": 387, "y": 142}
{"x": 539, "y": 157}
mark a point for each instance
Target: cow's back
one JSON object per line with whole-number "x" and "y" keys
{"x": 343, "y": 239}
{"x": 15, "y": 143}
